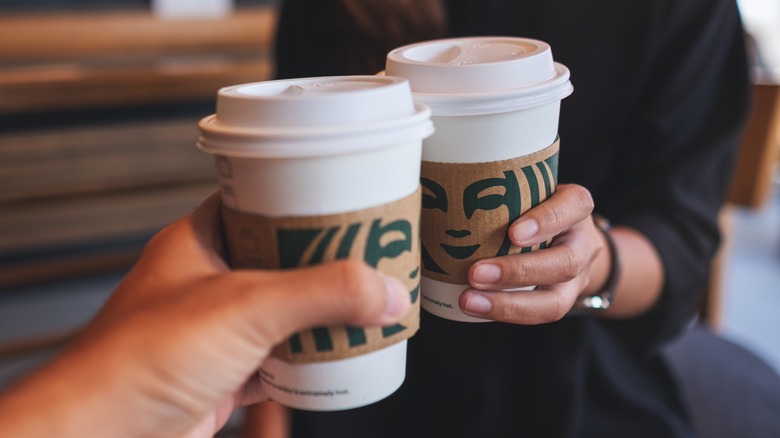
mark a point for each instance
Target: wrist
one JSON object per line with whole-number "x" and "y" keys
{"x": 60, "y": 399}
{"x": 87, "y": 390}
{"x": 605, "y": 272}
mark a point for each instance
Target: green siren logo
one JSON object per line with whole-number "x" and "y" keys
{"x": 385, "y": 237}
{"x": 467, "y": 209}
{"x": 309, "y": 246}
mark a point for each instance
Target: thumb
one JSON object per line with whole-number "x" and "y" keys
{"x": 344, "y": 292}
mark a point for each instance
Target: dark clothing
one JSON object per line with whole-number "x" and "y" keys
{"x": 661, "y": 91}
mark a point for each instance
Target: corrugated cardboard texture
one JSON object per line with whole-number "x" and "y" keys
{"x": 467, "y": 209}
{"x": 386, "y": 237}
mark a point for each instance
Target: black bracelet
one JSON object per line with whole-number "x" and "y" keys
{"x": 602, "y": 300}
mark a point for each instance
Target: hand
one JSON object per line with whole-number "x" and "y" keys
{"x": 177, "y": 346}
{"x": 562, "y": 272}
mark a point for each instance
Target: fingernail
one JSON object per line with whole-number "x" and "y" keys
{"x": 524, "y": 230}
{"x": 487, "y": 273}
{"x": 477, "y": 303}
{"x": 397, "y": 297}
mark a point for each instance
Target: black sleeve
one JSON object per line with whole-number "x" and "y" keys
{"x": 676, "y": 167}
{"x": 309, "y": 40}
{"x": 334, "y": 37}
{"x": 661, "y": 92}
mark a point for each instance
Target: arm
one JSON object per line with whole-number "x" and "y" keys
{"x": 177, "y": 346}
{"x": 662, "y": 188}
{"x": 577, "y": 263}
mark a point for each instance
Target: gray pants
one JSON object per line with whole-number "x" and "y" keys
{"x": 730, "y": 392}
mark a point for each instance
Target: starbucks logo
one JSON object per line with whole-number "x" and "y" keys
{"x": 467, "y": 209}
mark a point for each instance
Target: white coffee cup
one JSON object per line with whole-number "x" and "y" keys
{"x": 313, "y": 147}
{"x": 492, "y": 99}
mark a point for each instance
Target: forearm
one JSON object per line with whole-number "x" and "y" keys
{"x": 88, "y": 390}
{"x": 56, "y": 400}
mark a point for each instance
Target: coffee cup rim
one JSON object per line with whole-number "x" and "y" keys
{"x": 292, "y": 142}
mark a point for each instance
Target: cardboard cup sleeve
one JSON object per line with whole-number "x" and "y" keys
{"x": 468, "y": 207}
{"x": 386, "y": 237}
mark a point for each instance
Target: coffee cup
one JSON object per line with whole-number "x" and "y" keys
{"x": 495, "y": 103}
{"x": 319, "y": 169}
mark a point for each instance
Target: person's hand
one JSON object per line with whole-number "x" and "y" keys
{"x": 176, "y": 348}
{"x": 562, "y": 272}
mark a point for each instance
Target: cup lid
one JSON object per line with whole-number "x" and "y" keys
{"x": 480, "y": 75}
{"x": 313, "y": 116}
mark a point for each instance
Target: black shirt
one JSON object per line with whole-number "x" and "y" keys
{"x": 661, "y": 91}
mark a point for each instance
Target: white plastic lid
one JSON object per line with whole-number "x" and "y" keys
{"x": 480, "y": 75}
{"x": 313, "y": 116}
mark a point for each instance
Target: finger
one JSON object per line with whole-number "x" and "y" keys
{"x": 266, "y": 420}
{"x": 252, "y": 392}
{"x": 207, "y": 222}
{"x": 195, "y": 238}
{"x": 217, "y": 417}
{"x": 542, "y": 305}
{"x": 344, "y": 292}
{"x": 569, "y": 256}
{"x": 570, "y": 204}
{"x": 185, "y": 252}
{"x": 203, "y": 225}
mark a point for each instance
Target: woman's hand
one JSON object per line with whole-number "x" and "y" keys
{"x": 570, "y": 267}
{"x": 177, "y": 346}
{"x": 576, "y": 264}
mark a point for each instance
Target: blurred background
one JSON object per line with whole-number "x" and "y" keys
{"x": 99, "y": 103}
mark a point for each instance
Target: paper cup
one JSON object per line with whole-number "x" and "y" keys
{"x": 319, "y": 169}
{"x": 495, "y": 103}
